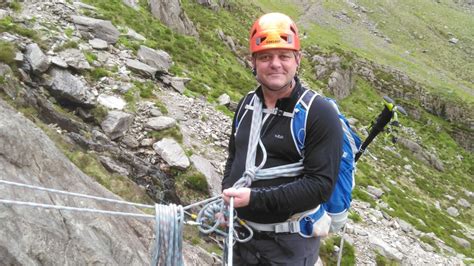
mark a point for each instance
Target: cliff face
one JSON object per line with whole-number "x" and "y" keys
{"x": 35, "y": 236}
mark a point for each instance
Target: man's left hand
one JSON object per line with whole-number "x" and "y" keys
{"x": 241, "y": 196}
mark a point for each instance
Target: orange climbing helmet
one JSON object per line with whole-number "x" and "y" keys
{"x": 274, "y": 30}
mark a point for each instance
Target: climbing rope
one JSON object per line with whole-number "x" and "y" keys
{"x": 169, "y": 220}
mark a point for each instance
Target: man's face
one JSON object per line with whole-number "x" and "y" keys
{"x": 276, "y": 67}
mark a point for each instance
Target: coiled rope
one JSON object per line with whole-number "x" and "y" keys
{"x": 169, "y": 220}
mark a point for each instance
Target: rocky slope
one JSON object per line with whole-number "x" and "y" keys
{"x": 112, "y": 102}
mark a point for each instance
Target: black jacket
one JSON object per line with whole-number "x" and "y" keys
{"x": 276, "y": 200}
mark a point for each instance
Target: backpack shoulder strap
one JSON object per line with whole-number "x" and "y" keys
{"x": 244, "y": 107}
{"x": 300, "y": 117}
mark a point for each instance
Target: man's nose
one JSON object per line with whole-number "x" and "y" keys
{"x": 275, "y": 61}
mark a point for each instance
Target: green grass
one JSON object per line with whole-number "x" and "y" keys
{"x": 329, "y": 256}
{"x": 90, "y": 56}
{"x": 383, "y": 261}
{"x": 7, "y": 53}
{"x": 66, "y": 45}
{"x": 97, "y": 73}
{"x": 173, "y": 132}
{"x": 8, "y": 25}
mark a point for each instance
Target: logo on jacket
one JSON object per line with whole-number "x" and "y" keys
{"x": 278, "y": 136}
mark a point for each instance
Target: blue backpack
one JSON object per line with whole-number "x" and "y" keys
{"x": 337, "y": 206}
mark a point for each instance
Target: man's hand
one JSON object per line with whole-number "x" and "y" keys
{"x": 241, "y": 196}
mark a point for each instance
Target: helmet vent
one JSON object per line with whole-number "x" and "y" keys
{"x": 253, "y": 33}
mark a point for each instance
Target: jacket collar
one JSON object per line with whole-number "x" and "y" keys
{"x": 286, "y": 104}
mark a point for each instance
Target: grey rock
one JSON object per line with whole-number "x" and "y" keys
{"x": 464, "y": 203}
{"x": 171, "y": 14}
{"x": 19, "y": 57}
{"x": 160, "y": 123}
{"x": 130, "y": 141}
{"x": 385, "y": 249}
{"x": 376, "y": 192}
{"x": 10, "y": 84}
{"x": 205, "y": 167}
{"x": 454, "y": 40}
{"x": 59, "y": 237}
{"x": 146, "y": 142}
{"x": 172, "y": 153}
{"x": 75, "y": 59}
{"x": 158, "y": 59}
{"x": 341, "y": 83}
{"x": 461, "y": 241}
{"x": 111, "y": 101}
{"x": 453, "y": 211}
{"x": 410, "y": 145}
{"x": 155, "y": 112}
{"x": 112, "y": 166}
{"x": 96, "y": 28}
{"x": 131, "y": 3}
{"x": 406, "y": 227}
{"x": 58, "y": 61}
{"x": 69, "y": 87}
{"x": 98, "y": 44}
{"x": 116, "y": 123}
{"x": 38, "y": 61}
{"x": 179, "y": 84}
{"x": 134, "y": 35}
{"x": 224, "y": 99}
{"x": 141, "y": 68}
{"x": 3, "y": 13}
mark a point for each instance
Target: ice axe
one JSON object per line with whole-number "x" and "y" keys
{"x": 389, "y": 111}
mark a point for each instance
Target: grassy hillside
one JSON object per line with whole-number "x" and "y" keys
{"x": 423, "y": 28}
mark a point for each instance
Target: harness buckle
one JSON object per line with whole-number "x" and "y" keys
{"x": 289, "y": 227}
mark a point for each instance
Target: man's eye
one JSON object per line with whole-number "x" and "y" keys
{"x": 264, "y": 57}
{"x": 285, "y": 57}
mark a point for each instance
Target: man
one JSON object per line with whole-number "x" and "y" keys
{"x": 262, "y": 139}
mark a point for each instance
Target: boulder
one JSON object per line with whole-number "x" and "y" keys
{"x": 224, "y": 99}
{"x": 453, "y": 211}
{"x": 179, "y": 84}
{"x": 113, "y": 166}
{"x": 462, "y": 242}
{"x": 116, "y": 123}
{"x": 205, "y": 167}
{"x": 464, "y": 203}
{"x": 38, "y": 61}
{"x": 160, "y": 123}
{"x": 172, "y": 153}
{"x": 69, "y": 87}
{"x": 58, "y": 61}
{"x": 341, "y": 83}
{"x": 376, "y": 192}
{"x": 134, "y": 35}
{"x": 170, "y": 13}
{"x": 141, "y": 68}
{"x": 75, "y": 59}
{"x": 98, "y": 44}
{"x": 158, "y": 59}
{"x": 111, "y": 101}
{"x": 96, "y": 28}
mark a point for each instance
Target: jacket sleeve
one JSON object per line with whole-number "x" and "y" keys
{"x": 322, "y": 155}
